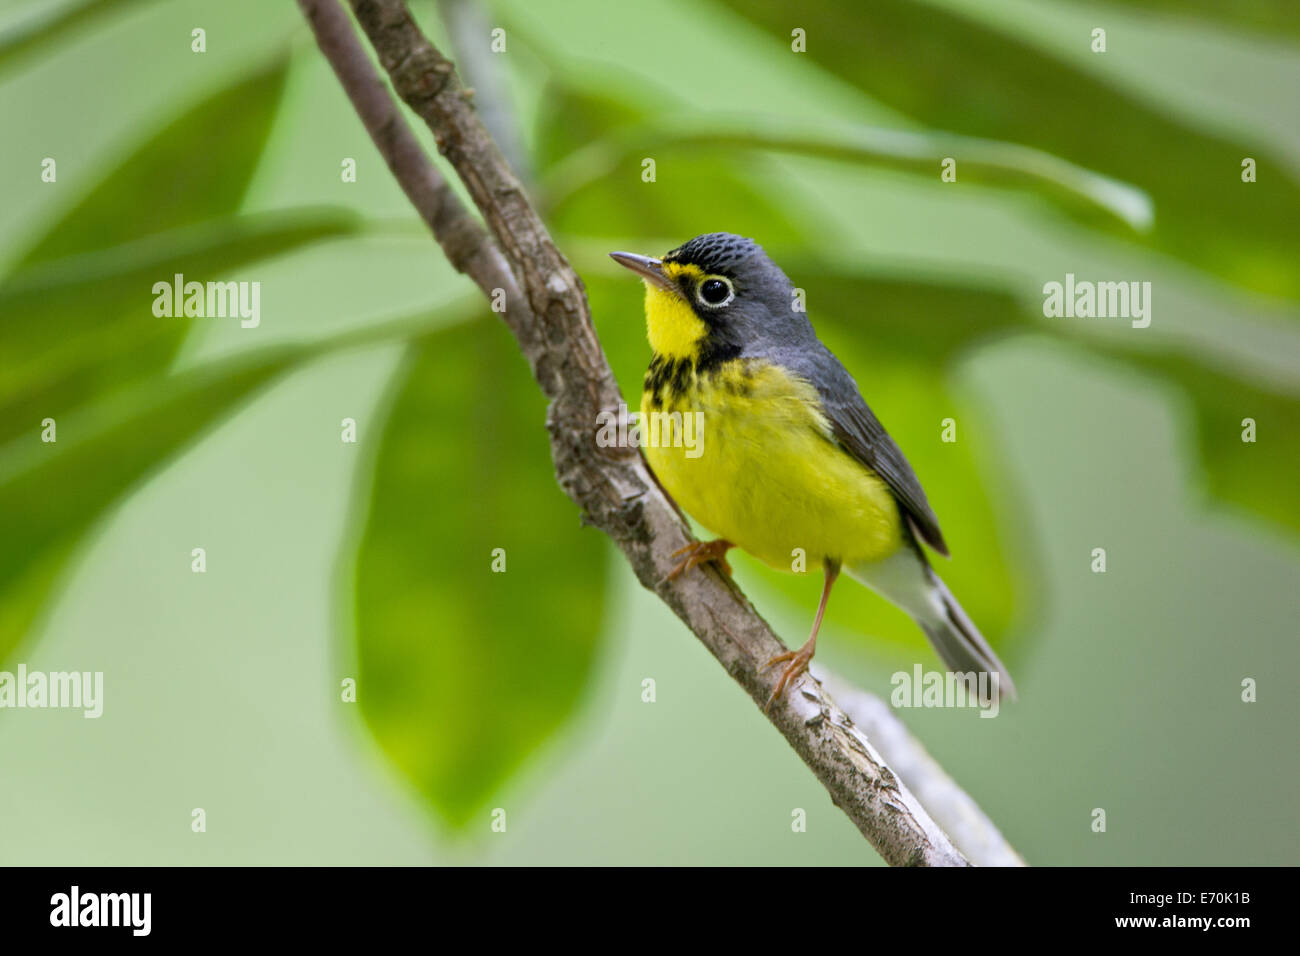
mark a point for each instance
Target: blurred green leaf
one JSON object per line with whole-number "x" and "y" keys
{"x": 84, "y": 325}
{"x": 570, "y": 120}
{"x": 1078, "y": 192}
{"x": 1268, "y": 16}
{"x": 80, "y": 301}
{"x": 693, "y": 192}
{"x": 80, "y": 331}
{"x": 48, "y": 22}
{"x": 81, "y": 344}
{"x": 934, "y": 323}
{"x": 196, "y": 168}
{"x": 953, "y": 73}
{"x": 464, "y": 672}
{"x": 52, "y": 494}
{"x": 1258, "y": 477}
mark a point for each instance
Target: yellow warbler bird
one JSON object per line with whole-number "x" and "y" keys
{"x": 790, "y": 456}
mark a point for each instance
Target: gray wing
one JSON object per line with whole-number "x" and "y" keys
{"x": 860, "y": 434}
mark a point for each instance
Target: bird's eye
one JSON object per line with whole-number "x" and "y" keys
{"x": 715, "y": 292}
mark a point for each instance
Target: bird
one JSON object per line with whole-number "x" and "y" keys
{"x": 789, "y": 460}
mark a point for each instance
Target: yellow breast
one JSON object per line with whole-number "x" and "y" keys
{"x": 746, "y": 451}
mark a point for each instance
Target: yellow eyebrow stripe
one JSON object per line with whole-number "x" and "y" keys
{"x": 676, "y": 270}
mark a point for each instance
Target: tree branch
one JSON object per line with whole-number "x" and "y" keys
{"x": 468, "y": 31}
{"x": 463, "y": 239}
{"x": 951, "y": 806}
{"x": 548, "y": 314}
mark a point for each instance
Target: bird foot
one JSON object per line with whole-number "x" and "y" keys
{"x": 798, "y": 664}
{"x": 700, "y": 552}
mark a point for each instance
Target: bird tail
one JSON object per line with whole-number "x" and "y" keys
{"x": 906, "y": 579}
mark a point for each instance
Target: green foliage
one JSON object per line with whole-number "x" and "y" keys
{"x": 1236, "y": 472}
{"x": 49, "y": 26}
{"x": 957, "y": 317}
{"x": 81, "y": 344}
{"x": 479, "y": 598}
{"x": 708, "y": 190}
{"x": 952, "y": 73}
{"x": 194, "y": 169}
{"x": 465, "y": 673}
{"x": 87, "y": 326}
{"x": 1269, "y": 16}
{"x": 52, "y": 496}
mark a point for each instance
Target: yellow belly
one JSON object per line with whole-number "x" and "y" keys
{"x": 761, "y": 470}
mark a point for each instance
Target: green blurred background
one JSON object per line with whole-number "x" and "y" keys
{"x": 523, "y": 691}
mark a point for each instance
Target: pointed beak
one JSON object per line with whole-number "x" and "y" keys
{"x": 647, "y": 268}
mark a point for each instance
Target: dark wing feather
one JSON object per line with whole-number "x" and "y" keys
{"x": 860, "y": 433}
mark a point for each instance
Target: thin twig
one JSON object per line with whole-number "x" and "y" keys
{"x": 471, "y": 43}
{"x": 616, "y": 492}
{"x": 462, "y": 238}
{"x": 952, "y": 807}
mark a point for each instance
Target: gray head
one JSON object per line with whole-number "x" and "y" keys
{"x": 716, "y": 297}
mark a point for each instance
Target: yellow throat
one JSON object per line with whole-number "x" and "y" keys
{"x": 672, "y": 326}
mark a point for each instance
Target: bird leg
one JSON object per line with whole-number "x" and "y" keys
{"x": 700, "y": 552}
{"x": 798, "y": 660}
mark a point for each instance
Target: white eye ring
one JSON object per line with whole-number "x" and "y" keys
{"x": 699, "y": 292}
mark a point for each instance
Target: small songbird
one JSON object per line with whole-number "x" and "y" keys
{"x": 788, "y": 455}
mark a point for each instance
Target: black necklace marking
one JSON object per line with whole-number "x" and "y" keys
{"x": 671, "y": 376}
